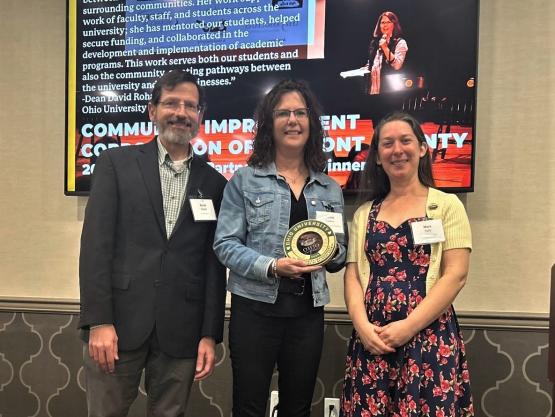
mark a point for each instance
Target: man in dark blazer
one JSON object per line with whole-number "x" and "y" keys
{"x": 152, "y": 290}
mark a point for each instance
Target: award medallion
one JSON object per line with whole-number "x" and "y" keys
{"x": 311, "y": 241}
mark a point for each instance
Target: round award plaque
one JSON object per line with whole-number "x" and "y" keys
{"x": 311, "y": 241}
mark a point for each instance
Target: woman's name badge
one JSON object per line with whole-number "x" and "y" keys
{"x": 332, "y": 219}
{"x": 203, "y": 210}
{"x": 427, "y": 231}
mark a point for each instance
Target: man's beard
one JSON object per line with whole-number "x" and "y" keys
{"x": 170, "y": 135}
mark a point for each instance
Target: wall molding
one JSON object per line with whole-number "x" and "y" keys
{"x": 467, "y": 319}
{"x": 39, "y": 305}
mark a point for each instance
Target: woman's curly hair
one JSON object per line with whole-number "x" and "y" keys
{"x": 264, "y": 151}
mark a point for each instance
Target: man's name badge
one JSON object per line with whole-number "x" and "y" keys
{"x": 332, "y": 219}
{"x": 427, "y": 231}
{"x": 203, "y": 210}
{"x": 311, "y": 241}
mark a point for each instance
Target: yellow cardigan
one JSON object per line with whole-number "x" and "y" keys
{"x": 439, "y": 205}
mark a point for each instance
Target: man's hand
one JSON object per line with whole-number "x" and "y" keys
{"x": 205, "y": 358}
{"x": 103, "y": 347}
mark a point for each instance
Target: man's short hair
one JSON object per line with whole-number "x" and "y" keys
{"x": 170, "y": 80}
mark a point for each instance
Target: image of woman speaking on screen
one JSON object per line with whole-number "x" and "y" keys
{"x": 387, "y": 53}
{"x": 277, "y": 302}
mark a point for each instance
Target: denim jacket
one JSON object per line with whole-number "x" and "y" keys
{"x": 253, "y": 220}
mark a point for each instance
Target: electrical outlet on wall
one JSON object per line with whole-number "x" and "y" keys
{"x": 274, "y": 401}
{"x": 331, "y": 407}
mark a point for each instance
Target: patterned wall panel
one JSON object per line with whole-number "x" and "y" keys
{"x": 19, "y": 345}
{"x": 41, "y": 373}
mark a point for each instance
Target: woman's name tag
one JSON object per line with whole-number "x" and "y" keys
{"x": 332, "y": 219}
{"x": 203, "y": 210}
{"x": 427, "y": 231}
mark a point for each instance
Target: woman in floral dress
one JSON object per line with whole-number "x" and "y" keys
{"x": 407, "y": 260}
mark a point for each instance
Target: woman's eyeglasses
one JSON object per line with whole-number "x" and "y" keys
{"x": 286, "y": 114}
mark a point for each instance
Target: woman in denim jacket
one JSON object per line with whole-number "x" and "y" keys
{"x": 277, "y": 302}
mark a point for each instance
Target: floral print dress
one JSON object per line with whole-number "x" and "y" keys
{"x": 429, "y": 375}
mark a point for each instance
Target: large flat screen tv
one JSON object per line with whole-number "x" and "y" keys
{"x": 239, "y": 48}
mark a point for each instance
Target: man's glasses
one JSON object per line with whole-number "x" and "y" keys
{"x": 175, "y": 105}
{"x": 284, "y": 114}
